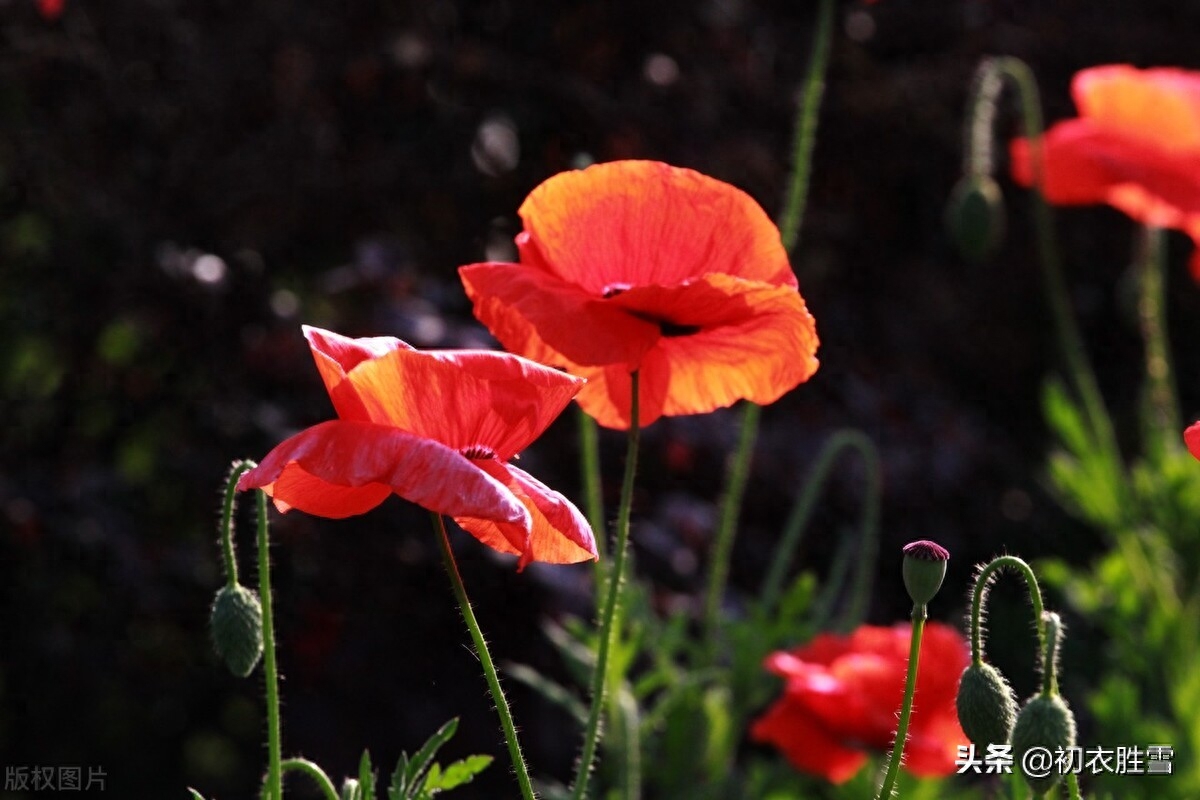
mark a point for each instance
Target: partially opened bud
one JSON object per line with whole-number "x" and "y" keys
{"x": 975, "y": 216}
{"x": 237, "y": 628}
{"x": 924, "y": 569}
{"x": 1045, "y": 721}
{"x": 987, "y": 708}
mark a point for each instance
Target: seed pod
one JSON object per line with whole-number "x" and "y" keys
{"x": 236, "y": 624}
{"x": 924, "y": 569}
{"x": 987, "y": 708}
{"x": 1045, "y": 721}
{"x": 975, "y": 216}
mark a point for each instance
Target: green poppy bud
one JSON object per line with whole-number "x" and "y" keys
{"x": 975, "y": 216}
{"x": 924, "y": 569}
{"x": 236, "y": 623}
{"x": 987, "y": 708}
{"x": 1045, "y": 721}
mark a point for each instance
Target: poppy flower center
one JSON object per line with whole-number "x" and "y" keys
{"x": 669, "y": 329}
{"x": 478, "y": 452}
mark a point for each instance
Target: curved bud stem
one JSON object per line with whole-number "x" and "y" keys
{"x": 228, "y": 506}
{"x": 983, "y": 580}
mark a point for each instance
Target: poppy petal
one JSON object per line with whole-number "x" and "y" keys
{"x": 343, "y": 463}
{"x": 559, "y": 535}
{"x": 1157, "y": 106}
{"x": 757, "y": 344}
{"x": 335, "y": 355}
{"x": 1191, "y": 438}
{"x": 536, "y": 314}
{"x": 805, "y": 742}
{"x": 627, "y": 223}
{"x": 465, "y": 399}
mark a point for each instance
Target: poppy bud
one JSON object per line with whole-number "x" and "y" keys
{"x": 1045, "y": 721}
{"x": 924, "y": 569}
{"x": 986, "y": 706}
{"x": 975, "y": 216}
{"x": 236, "y": 624}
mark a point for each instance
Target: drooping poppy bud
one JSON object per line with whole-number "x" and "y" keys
{"x": 1045, "y": 721}
{"x": 975, "y": 216}
{"x": 237, "y": 628}
{"x": 987, "y": 708}
{"x": 924, "y": 569}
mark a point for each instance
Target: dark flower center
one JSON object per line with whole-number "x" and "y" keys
{"x": 478, "y": 452}
{"x": 669, "y": 329}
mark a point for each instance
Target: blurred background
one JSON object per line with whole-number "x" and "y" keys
{"x": 182, "y": 184}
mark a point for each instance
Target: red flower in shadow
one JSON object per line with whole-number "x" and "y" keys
{"x": 436, "y": 428}
{"x": 1135, "y": 146}
{"x": 636, "y": 265}
{"x": 51, "y": 9}
{"x": 842, "y": 695}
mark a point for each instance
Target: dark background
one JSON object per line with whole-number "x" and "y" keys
{"x": 182, "y": 184}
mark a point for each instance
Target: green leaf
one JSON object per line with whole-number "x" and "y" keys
{"x": 195, "y": 795}
{"x": 458, "y": 773}
{"x": 553, "y": 691}
{"x": 415, "y": 768}
{"x": 366, "y": 777}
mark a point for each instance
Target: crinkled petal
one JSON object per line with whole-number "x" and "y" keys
{"x": 335, "y": 355}
{"x": 559, "y": 534}
{"x": 1157, "y": 106}
{"x": 632, "y": 223}
{"x": 758, "y": 344}
{"x": 463, "y": 398}
{"x": 342, "y": 464}
{"x": 536, "y": 314}
{"x": 806, "y": 743}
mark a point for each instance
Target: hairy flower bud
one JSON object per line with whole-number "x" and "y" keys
{"x": 237, "y": 629}
{"x": 975, "y": 216}
{"x": 987, "y": 708}
{"x": 1045, "y": 721}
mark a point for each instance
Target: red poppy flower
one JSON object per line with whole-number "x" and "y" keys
{"x": 636, "y": 265}
{"x": 50, "y": 9}
{"x": 1191, "y": 437}
{"x": 436, "y": 428}
{"x": 843, "y": 693}
{"x": 1134, "y": 146}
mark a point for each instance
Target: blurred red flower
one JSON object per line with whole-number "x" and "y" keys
{"x": 436, "y": 428}
{"x": 1192, "y": 438}
{"x": 843, "y": 693}
{"x": 50, "y": 9}
{"x": 637, "y": 265}
{"x": 1135, "y": 146}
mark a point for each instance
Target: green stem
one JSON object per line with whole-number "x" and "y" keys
{"x": 1069, "y": 339}
{"x": 610, "y": 620}
{"x": 228, "y": 505}
{"x": 1161, "y": 401}
{"x": 270, "y": 672}
{"x": 313, "y": 771}
{"x": 1073, "y": 786}
{"x": 485, "y": 658}
{"x": 802, "y": 511}
{"x": 731, "y": 506}
{"x": 910, "y": 688}
{"x": 806, "y": 128}
{"x": 593, "y": 497}
{"x": 631, "y": 776}
{"x": 982, "y": 581}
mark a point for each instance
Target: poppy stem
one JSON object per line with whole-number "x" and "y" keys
{"x": 270, "y": 671}
{"x": 806, "y": 128}
{"x": 228, "y": 505}
{"x": 797, "y": 522}
{"x": 1161, "y": 405}
{"x": 485, "y": 659}
{"x": 589, "y": 469}
{"x": 313, "y": 771}
{"x": 910, "y": 686}
{"x": 1069, "y": 338}
{"x": 982, "y": 581}
{"x": 731, "y": 507}
{"x": 610, "y": 621}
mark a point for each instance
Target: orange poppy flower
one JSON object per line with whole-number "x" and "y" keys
{"x": 1135, "y": 146}
{"x": 637, "y": 265}
{"x": 436, "y": 428}
{"x": 842, "y": 694}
